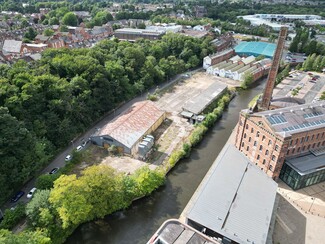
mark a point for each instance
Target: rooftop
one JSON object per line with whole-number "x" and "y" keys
{"x": 306, "y": 164}
{"x": 295, "y": 119}
{"x": 197, "y": 104}
{"x": 232, "y": 200}
{"x": 256, "y": 49}
{"x": 12, "y": 46}
{"x": 131, "y": 125}
{"x": 174, "y": 232}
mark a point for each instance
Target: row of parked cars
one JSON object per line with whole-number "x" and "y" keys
{"x": 19, "y": 194}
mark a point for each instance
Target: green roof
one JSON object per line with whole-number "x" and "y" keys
{"x": 256, "y": 49}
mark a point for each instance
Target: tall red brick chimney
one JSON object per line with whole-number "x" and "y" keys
{"x": 267, "y": 94}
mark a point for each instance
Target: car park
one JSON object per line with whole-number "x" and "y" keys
{"x": 68, "y": 158}
{"x": 31, "y": 192}
{"x": 17, "y": 196}
{"x": 53, "y": 171}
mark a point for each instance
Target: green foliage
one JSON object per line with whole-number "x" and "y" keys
{"x": 48, "y": 32}
{"x": 295, "y": 91}
{"x": 260, "y": 57}
{"x": 49, "y": 102}
{"x": 30, "y": 34}
{"x": 176, "y": 156}
{"x": 248, "y": 80}
{"x": 283, "y": 74}
{"x": 46, "y": 181}
{"x": 314, "y": 63}
{"x": 36, "y": 208}
{"x": 25, "y": 237}
{"x": 13, "y": 217}
{"x": 64, "y": 28}
{"x": 70, "y": 19}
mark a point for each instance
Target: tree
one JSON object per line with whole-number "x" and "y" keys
{"x": 70, "y": 19}
{"x": 30, "y": 34}
{"x": 247, "y": 81}
{"x": 64, "y": 28}
{"x": 48, "y": 32}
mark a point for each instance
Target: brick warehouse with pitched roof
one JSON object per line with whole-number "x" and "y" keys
{"x": 270, "y": 138}
{"x": 127, "y": 130}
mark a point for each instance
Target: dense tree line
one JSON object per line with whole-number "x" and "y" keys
{"x": 303, "y": 43}
{"x": 45, "y": 105}
{"x": 314, "y": 62}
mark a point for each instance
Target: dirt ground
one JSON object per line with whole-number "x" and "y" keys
{"x": 172, "y": 131}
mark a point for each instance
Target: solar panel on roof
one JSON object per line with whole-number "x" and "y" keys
{"x": 276, "y": 119}
{"x": 312, "y": 115}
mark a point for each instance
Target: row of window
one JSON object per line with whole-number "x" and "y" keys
{"x": 305, "y": 148}
{"x": 318, "y": 136}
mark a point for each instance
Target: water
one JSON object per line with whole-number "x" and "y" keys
{"x": 139, "y": 222}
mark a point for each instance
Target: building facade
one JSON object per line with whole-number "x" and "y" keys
{"x": 269, "y": 138}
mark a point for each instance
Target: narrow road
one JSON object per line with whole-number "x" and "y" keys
{"x": 59, "y": 160}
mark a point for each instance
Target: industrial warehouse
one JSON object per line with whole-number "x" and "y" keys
{"x": 236, "y": 63}
{"x": 129, "y": 131}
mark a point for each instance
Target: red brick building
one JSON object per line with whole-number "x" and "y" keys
{"x": 217, "y": 57}
{"x": 268, "y": 138}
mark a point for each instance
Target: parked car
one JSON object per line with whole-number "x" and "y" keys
{"x": 31, "y": 192}
{"x": 68, "y": 157}
{"x": 17, "y": 196}
{"x": 79, "y": 148}
{"x": 53, "y": 171}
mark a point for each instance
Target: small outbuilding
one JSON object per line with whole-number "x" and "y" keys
{"x": 127, "y": 130}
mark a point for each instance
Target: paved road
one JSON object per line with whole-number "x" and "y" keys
{"x": 59, "y": 159}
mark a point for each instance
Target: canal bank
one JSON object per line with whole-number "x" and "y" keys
{"x": 142, "y": 219}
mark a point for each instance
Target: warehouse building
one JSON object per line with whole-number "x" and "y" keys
{"x": 129, "y": 34}
{"x": 127, "y": 131}
{"x": 232, "y": 203}
{"x": 255, "y": 49}
{"x": 199, "y": 103}
{"x": 270, "y": 138}
{"x": 218, "y": 57}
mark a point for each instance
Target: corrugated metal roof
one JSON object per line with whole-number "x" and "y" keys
{"x": 256, "y": 48}
{"x": 232, "y": 199}
{"x": 197, "y": 104}
{"x": 130, "y": 126}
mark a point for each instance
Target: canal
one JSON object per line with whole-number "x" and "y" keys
{"x": 139, "y": 222}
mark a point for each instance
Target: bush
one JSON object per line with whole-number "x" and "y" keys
{"x": 197, "y": 134}
{"x": 13, "y": 217}
{"x": 175, "y": 157}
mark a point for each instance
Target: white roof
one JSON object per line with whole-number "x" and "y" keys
{"x": 12, "y": 46}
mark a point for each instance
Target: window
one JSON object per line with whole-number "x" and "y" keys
{"x": 247, "y": 148}
{"x": 264, "y": 161}
{"x": 303, "y": 148}
{"x": 323, "y": 134}
{"x": 267, "y": 152}
{"x": 323, "y": 143}
{"x": 255, "y": 143}
{"x": 273, "y": 158}
{"x": 318, "y": 144}
{"x": 314, "y": 145}
{"x": 258, "y": 134}
{"x": 270, "y": 143}
{"x": 301, "y": 140}
{"x": 291, "y": 143}
{"x": 244, "y": 135}
{"x": 306, "y": 138}
{"x": 288, "y": 152}
{"x": 296, "y": 141}
{"x": 246, "y": 126}
{"x": 270, "y": 167}
{"x": 243, "y": 144}
{"x": 249, "y": 139}
{"x": 317, "y": 136}
{"x": 252, "y": 130}
{"x": 276, "y": 148}
{"x": 308, "y": 147}
{"x": 261, "y": 147}
{"x": 298, "y": 150}
{"x": 263, "y": 138}
{"x": 258, "y": 157}
{"x": 312, "y": 138}
{"x": 293, "y": 151}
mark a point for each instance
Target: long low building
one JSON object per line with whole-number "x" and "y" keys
{"x": 234, "y": 202}
{"x": 127, "y": 131}
{"x": 255, "y": 49}
{"x": 200, "y": 102}
{"x": 129, "y": 34}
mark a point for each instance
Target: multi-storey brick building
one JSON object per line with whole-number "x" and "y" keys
{"x": 268, "y": 138}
